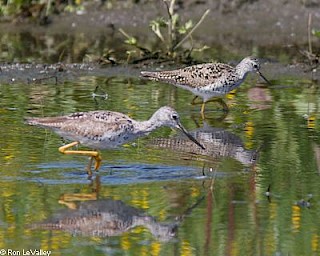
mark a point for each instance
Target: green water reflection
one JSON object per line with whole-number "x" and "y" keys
{"x": 225, "y": 212}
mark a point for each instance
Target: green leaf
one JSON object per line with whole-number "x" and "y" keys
{"x": 174, "y": 19}
{"x": 131, "y": 40}
{"x": 316, "y": 32}
{"x": 189, "y": 24}
{"x": 155, "y": 26}
{"x": 161, "y": 22}
{"x": 182, "y": 30}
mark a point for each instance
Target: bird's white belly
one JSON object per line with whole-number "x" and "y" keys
{"x": 103, "y": 142}
{"x": 107, "y": 141}
{"x": 216, "y": 89}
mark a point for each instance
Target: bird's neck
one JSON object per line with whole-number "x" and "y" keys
{"x": 158, "y": 229}
{"x": 145, "y": 127}
{"x": 241, "y": 72}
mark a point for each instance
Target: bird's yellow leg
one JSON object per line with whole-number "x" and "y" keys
{"x": 94, "y": 154}
{"x": 202, "y": 108}
{"x": 89, "y": 167}
{"x": 98, "y": 161}
{"x": 65, "y": 148}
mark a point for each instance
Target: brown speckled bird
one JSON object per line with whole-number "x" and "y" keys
{"x": 106, "y": 129}
{"x": 208, "y": 80}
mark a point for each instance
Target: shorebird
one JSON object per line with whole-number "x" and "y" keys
{"x": 208, "y": 80}
{"x": 106, "y": 129}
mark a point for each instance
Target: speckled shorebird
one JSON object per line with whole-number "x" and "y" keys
{"x": 106, "y": 129}
{"x": 208, "y": 80}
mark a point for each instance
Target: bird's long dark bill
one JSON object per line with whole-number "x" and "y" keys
{"x": 264, "y": 78}
{"x": 181, "y": 128}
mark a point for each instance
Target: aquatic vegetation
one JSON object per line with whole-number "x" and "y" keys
{"x": 172, "y": 32}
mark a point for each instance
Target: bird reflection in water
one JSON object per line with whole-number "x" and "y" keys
{"x": 218, "y": 142}
{"x": 87, "y": 216}
{"x": 104, "y": 218}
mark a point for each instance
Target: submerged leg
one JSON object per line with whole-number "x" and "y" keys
{"x": 89, "y": 167}
{"x": 94, "y": 154}
{"x": 202, "y": 110}
{"x": 202, "y": 107}
{"x": 193, "y": 102}
{"x": 221, "y": 102}
{"x": 98, "y": 161}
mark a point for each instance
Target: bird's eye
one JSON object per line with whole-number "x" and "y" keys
{"x": 255, "y": 66}
{"x": 175, "y": 117}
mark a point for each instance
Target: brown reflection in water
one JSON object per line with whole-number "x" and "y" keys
{"x": 316, "y": 150}
{"x": 260, "y": 98}
{"x": 104, "y": 218}
{"x": 231, "y": 222}
{"x": 89, "y": 216}
{"x": 208, "y": 227}
{"x": 218, "y": 143}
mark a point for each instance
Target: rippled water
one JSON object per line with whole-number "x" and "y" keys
{"x": 253, "y": 191}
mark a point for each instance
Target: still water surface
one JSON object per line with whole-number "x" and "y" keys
{"x": 160, "y": 195}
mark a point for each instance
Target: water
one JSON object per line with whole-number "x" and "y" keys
{"x": 215, "y": 203}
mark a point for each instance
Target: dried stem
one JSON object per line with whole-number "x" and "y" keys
{"x": 309, "y": 32}
{"x": 192, "y": 30}
{"x": 124, "y": 33}
{"x": 170, "y": 22}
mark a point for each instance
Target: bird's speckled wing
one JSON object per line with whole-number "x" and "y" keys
{"x": 194, "y": 76}
{"x": 91, "y": 125}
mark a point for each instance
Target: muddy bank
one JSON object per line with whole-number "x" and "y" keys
{"x": 59, "y": 73}
{"x": 274, "y": 30}
{"x": 230, "y": 23}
